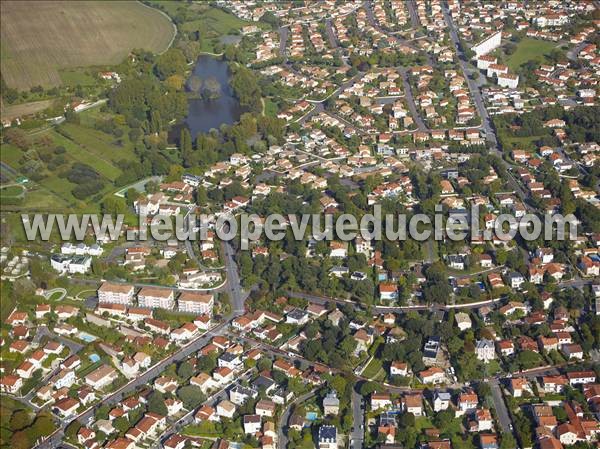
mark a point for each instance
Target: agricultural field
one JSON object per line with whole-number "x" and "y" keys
{"x": 42, "y": 41}
{"x": 10, "y": 112}
{"x": 78, "y": 144}
{"x": 530, "y": 49}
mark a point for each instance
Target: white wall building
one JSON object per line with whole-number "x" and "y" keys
{"x": 115, "y": 293}
{"x": 489, "y": 44}
{"x": 152, "y": 297}
{"x": 193, "y": 302}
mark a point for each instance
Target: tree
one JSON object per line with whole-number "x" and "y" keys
{"x": 443, "y": 419}
{"x": 407, "y": 420}
{"x": 212, "y": 89}
{"x": 20, "y": 440}
{"x": 508, "y": 441}
{"x": 72, "y": 429}
{"x": 19, "y": 420}
{"x": 194, "y": 84}
{"x": 156, "y": 403}
{"x": 185, "y": 370}
{"x": 185, "y": 143}
{"x": 121, "y": 424}
{"x": 114, "y": 205}
{"x": 170, "y": 63}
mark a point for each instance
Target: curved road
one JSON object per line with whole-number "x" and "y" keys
{"x": 282, "y": 439}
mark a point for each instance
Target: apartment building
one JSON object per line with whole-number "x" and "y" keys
{"x": 115, "y": 293}
{"x": 152, "y": 297}
{"x": 194, "y": 302}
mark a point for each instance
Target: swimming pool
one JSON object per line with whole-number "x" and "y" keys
{"x": 94, "y": 358}
{"x": 88, "y": 338}
{"x": 311, "y": 416}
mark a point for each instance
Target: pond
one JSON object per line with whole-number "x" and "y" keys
{"x": 205, "y": 114}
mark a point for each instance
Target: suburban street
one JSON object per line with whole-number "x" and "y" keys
{"x": 237, "y": 297}
{"x": 500, "y": 406}
{"x": 411, "y": 101}
{"x": 357, "y": 436}
{"x": 282, "y": 425}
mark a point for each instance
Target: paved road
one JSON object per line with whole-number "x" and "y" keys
{"x": 379, "y": 28}
{"x": 283, "y": 35}
{"x": 412, "y": 12}
{"x": 50, "y": 293}
{"x": 237, "y": 296}
{"x": 358, "y": 419}
{"x": 330, "y": 34}
{"x": 282, "y": 439}
{"x": 43, "y": 331}
{"x": 500, "y": 406}
{"x": 394, "y": 309}
{"x": 145, "y": 378}
{"x": 188, "y": 418}
{"x": 473, "y": 88}
{"x": 412, "y": 106}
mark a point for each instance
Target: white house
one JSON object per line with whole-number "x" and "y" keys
{"x": 485, "y": 351}
{"x": 252, "y": 424}
{"x": 509, "y": 80}
{"x": 441, "y": 400}
{"x": 463, "y": 321}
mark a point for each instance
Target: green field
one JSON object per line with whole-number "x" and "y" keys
{"x": 520, "y": 143}
{"x": 82, "y": 143}
{"x": 270, "y": 108}
{"x": 41, "y": 38}
{"x": 212, "y": 23}
{"x": 74, "y": 78}
{"x": 374, "y": 370}
{"x": 216, "y": 21}
{"x": 530, "y": 49}
{"x": 11, "y": 191}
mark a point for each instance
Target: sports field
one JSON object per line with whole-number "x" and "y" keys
{"x": 41, "y": 38}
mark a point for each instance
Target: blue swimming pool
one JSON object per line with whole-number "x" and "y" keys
{"x": 94, "y": 358}
{"x": 311, "y": 416}
{"x": 88, "y": 338}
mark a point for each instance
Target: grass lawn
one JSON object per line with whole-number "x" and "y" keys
{"x": 83, "y": 144}
{"x": 374, "y": 369}
{"x": 8, "y": 301}
{"x": 530, "y": 49}
{"x": 87, "y": 156}
{"x": 521, "y": 143}
{"x": 99, "y": 143}
{"x": 74, "y": 78}
{"x": 271, "y": 108}
{"x": 213, "y": 23}
{"x": 216, "y": 21}
{"x": 11, "y": 191}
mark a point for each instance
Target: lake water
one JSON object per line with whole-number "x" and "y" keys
{"x": 203, "y": 115}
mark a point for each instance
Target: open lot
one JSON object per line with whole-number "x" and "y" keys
{"x": 39, "y": 38}
{"x": 10, "y": 112}
{"x": 530, "y": 50}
